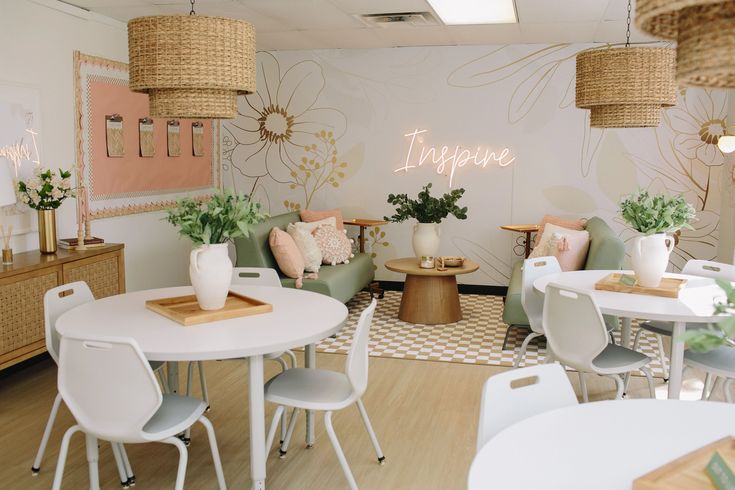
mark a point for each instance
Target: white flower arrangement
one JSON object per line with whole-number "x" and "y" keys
{"x": 46, "y": 189}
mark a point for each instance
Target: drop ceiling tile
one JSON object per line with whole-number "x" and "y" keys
{"x": 557, "y": 32}
{"x": 555, "y": 11}
{"x": 305, "y": 14}
{"x": 415, "y": 36}
{"x": 381, "y": 6}
{"x": 613, "y": 31}
{"x": 273, "y": 41}
{"x": 349, "y": 38}
{"x": 490, "y": 34}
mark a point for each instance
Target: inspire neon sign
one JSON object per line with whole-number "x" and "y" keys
{"x": 448, "y": 159}
{"x": 19, "y": 151}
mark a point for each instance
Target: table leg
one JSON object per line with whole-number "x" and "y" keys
{"x": 257, "y": 423}
{"x": 172, "y": 376}
{"x": 310, "y": 362}
{"x": 430, "y": 300}
{"x": 677, "y": 360}
{"x": 528, "y": 244}
{"x": 362, "y": 239}
{"x": 625, "y": 331}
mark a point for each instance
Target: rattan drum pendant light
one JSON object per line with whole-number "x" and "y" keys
{"x": 705, "y": 35}
{"x": 625, "y": 87}
{"x": 191, "y": 66}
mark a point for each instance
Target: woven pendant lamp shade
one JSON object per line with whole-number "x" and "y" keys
{"x": 705, "y": 35}
{"x": 625, "y": 87}
{"x": 191, "y": 66}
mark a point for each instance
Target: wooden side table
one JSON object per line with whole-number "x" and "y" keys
{"x": 363, "y": 223}
{"x": 528, "y": 230}
{"x": 429, "y": 296}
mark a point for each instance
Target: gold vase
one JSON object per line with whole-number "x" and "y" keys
{"x": 47, "y": 231}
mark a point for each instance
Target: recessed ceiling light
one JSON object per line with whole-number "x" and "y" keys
{"x": 455, "y": 12}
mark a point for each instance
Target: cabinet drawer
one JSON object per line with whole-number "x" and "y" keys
{"x": 102, "y": 273}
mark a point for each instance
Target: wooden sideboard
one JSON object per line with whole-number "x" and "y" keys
{"x": 24, "y": 282}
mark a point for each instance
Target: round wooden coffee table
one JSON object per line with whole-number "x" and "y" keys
{"x": 429, "y": 296}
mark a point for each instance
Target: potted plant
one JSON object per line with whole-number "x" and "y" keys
{"x": 429, "y": 211}
{"x": 210, "y": 226}
{"x": 654, "y": 217}
{"x": 45, "y": 192}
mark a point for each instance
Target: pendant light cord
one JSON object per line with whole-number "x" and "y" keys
{"x": 193, "y": 13}
{"x": 627, "y": 32}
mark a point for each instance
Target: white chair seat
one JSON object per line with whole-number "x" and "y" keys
{"x": 615, "y": 359}
{"x": 175, "y": 414}
{"x": 311, "y": 389}
{"x": 720, "y": 361}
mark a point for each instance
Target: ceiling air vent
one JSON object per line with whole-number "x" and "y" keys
{"x": 399, "y": 19}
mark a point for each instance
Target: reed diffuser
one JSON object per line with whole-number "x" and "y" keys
{"x": 7, "y": 251}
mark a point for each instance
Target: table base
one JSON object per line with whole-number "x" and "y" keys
{"x": 430, "y": 300}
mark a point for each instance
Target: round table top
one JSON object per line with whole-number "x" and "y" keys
{"x": 602, "y": 445}
{"x": 410, "y": 266}
{"x": 695, "y": 302}
{"x": 298, "y": 318}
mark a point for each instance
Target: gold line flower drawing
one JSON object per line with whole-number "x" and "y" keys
{"x": 277, "y": 121}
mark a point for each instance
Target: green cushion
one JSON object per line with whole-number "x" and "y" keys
{"x": 513, "y": 313}
{"x": 341, "y": 281}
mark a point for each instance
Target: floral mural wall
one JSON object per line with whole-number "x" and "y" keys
{"x": 343, "y": 128}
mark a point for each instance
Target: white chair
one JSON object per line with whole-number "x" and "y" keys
{"x": 112, "y": 393}
{"x": 319, "y": 389}
{"x": 576, "y": 332}
{"x": 56, "y": 301}
{"x": 533, "y": 301}
{"x": 719, "y": 362}
{"x": 512, "y": 396}
{"x": 702, "y": 268}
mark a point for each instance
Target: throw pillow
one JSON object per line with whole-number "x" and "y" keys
{"x": 310, "y": 216}
{"x": 575, "y": 224}
{"x": 287, "y": 255}
{"x": 307, "y": 246}
{"x": 335, "y": 246}
{"x": 313, "y": 225}
{"x": 568, "y": 246}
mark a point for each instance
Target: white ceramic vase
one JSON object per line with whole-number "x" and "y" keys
{"x": 650, "y": 257}
{"x": 210, "y": 271}
{"x": 426, "y": 239}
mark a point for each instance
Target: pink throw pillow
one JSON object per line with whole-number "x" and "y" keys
{"x": 287, "y": 255}
{"x": 335, "y": 246}
{"x": 576, "y": 224}
{"x": 569, "y": 247}
{"x": 309, "y": 216}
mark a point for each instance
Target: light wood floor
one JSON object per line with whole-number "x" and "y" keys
{"x": 424, "y": 413}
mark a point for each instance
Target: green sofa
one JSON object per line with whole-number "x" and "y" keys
{"x": 606, "y": 251}
{"x": 338, "y": 281}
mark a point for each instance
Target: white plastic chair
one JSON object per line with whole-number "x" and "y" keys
{"x": 512, "y": 396}
{"x": 319, "y": 389}
{"x": 533, "y": 301}
{"x": 702, "y": 268}
{"x": 112, "y": 393}
{"x": 56, "y": 301}
{"x": 719, "y": 362}
{"x": 577, "y": 334}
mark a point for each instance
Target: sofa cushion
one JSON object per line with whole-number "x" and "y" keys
{"x": 340, "y": 281}
{"x": 309, "y": 215}
{"x": 513, "y": 312}
{"x": 572, "y": 224}
{"x": 336, "y": 248}
{"x": 287, "y": 254}
{"x": 253, "y": 250}
{"x": 307, "y": 246}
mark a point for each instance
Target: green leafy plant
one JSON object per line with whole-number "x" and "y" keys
{"x": 656, "y": 214}
{"x": 706, "y": 339}
{"x": 426, "y": 209}
{"x": 225, "y": 216}
{"x": 46, "y": 189}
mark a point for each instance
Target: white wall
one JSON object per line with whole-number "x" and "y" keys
{"x": 37, "y": 43}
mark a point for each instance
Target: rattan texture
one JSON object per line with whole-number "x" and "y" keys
{"x": 625, "y": 87}
{"x": 191, "y": 65}
{"x": 102, "y": 275}
{"x": 660, "y": 18}
{"x": 22, "y": 310}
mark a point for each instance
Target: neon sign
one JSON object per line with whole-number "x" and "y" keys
{"x": 448, "y": 159}
{"x": 19, "y": 151}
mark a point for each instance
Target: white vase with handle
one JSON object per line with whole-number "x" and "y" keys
{"x": 210, "y": 271}
{"x": 426, "y": 239}
{"x": 650, "y": 257}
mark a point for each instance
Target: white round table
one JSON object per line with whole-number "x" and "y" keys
{"x": 695, "y": 304}
{"x": 602, "y": 445}
{"x": 299, "y": 318}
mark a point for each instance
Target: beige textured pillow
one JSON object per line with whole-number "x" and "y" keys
{"x": 568, "y": 246}
{"x": 307, "y": 246}
{"x": 335, "y": 246}
{"x": 287, "y": 255}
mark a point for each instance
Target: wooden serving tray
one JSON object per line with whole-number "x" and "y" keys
{"x": 669, "y": 287}
{"x": 688, "y": 472}
{"x": 185, "y": 309}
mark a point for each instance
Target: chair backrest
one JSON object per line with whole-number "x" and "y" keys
{"x": 108, "y": 386}
{"x": 574, "y": 326}
{"x": 59, "y": 300}
{"x": 708, "y": 268}
{"x": 532, "y": 300}
{"x": 356, "y": 366}
{"x": 514, "y": 395}
{"x": 255, "y": 276}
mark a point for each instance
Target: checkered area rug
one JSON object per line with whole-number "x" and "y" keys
{"x": 477, "y": 339}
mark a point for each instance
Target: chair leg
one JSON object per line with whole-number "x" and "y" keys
{"x": 637, "y": 339}
{"x": 93, "y": 456}
{"x": 46, "y": 434}
{"x": 649, "y": 378}
{"x": 371, "y": 432}
{"x": 705, "y": 388}
{"x": 583, "y": 387}
{"x": 189, "y": 377}
{"x": 203, "y": 383}
{"x": 524, "y": 346}
{"x": 274, "y": 425}
{"x": 662, "y": 356}
{"x": 59, "y": 475}
{"x": 289, "y": 433}
{"x": 550, "y": 357}
{"x": 292, "y": 356}
{"x": 162, "y": 380}
{"x": 715, "y": 385}
{"x": 507, "y": 334}
{"x": 215, "y": 452}
{"x": 183, "y": 459}
{"x": 726, "y": 387}
{"x": 124, "y": 481}
{"x": 619, "y": 384}
{"x": 338, "y": 450}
